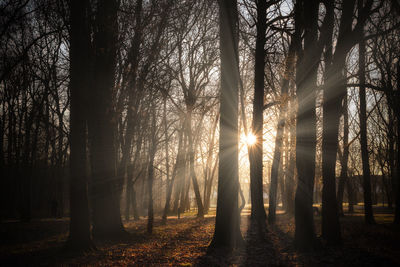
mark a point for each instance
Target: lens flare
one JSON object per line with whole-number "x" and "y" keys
{"x": 250, "y": 139}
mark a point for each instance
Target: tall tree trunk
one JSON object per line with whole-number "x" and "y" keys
{"x": 290, "y": 173}
{"x": 26, "y": 211}
{"x": 135, "y": 209}
{"x": 180, "y": 160}
{"x": 289, "y": 65}
{"x": 306, "y": 77}
{"x": 256, "y": 150}
{"x": 174, "y": 173}
{"x": 227, "y": 222}
{"x": 344, "y": 158}
{"x": 397, "y": 209}
{"x": 391, "y": 173}
{"x": 170, "y": 181}
{"x": 128, "y": 199}
{"x": 351, "y": 195}
{"x": 134, "y": 98}
{"x": 200, "y": 208}
{"x": 369, "y": 217}
{"x": 210, "y": 172}
{"x": 150, "y": 178}
{"x": 334, "y": 92}
{"x": 106, "y": 185}
{"x": 79, "y": 230}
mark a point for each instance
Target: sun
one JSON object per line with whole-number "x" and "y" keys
{"x": 250, "y": 139}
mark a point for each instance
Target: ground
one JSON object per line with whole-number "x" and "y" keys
{"x": 183, "y": 242}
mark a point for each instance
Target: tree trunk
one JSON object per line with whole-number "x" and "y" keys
{"x": 174, "y": 173}
{"x": 391, "y": 173}
{"x": 289, "y": 65}
{"x": 200, "y": 208}
{"x": 227, "y": 222}
{"x": 106, "y": 185}
{"x": 256, "y": 151}
{"x": 397, "y": 209}
{"x": 79, "y": 232}
{"x": 128, "y": 202}
{"x": 306, "y": 77}
{"x": 350, "y": 195}
{"x": 150, "y": 215}
{"x": 150, "y": 179}
{"x": 344, "y": 158}
{"x": 134, "y": 98}
{"x": 136, "y": 215}
{"x": 26, "y": 212}
{"x": 180, "y": 161}
{"x": 210, "y": 169}
{"x": 290, "y": 173}
{"x": 369, "y": 217}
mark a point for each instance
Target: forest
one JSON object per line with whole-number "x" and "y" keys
{"x": 200, "y": 133}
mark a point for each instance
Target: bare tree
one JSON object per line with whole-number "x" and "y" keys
{"x": 227, "y": 222}
{"x": 79, "y": 233}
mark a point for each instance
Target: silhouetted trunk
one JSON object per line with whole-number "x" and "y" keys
{"x": 150, "y": 178}
{"x": 397, "y": 209}
{"x": 150, "y": 215}
{"x": 174, "y": 173}
{"x": 106, "y": 185}
{"x": 26, "y": 171}
{"x": 345, "y": 157}
{"x": 210, "y": 171}
{"x": 334, "y": 91}
{"x": 128, "y": 201}
{"x": 256, "y": 150}
{"x": 135, "y": 209}
{"x": 290, "y": 172}
{"x": 369, "y": 217}
{"x": 306, "y": 77}
{"x": 242, "y": 200}
{"x": 391, "y": 190}
{"x": 180, "y": 161}
{"x": 351, "y": 195}
{"x": 134, "y": 98}
{"x": 227, "y": 222}
{"x": 200, "y": 208}
{"x": 289, "y": 67}
{"x": 79, "y": 231}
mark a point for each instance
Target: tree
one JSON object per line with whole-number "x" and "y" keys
{"x": 306, "y": 75}
{"x": 369, "y": 217}
{"x": 227, "y": 222}
{"x": 79, "y": 233}
{"x": 289, "y": 66}
{"x": 344, "y": 158}
{"x": 105, "y": 188}
{"x": 256, "y": 150}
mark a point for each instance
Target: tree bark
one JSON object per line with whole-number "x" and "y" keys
{"x": 79, "y": 229}
{"x": 369, "y": 217}
{"x": 106, "y": 185}
{"x": 397, "y": 209}
{"x": 174, "y": 173}
{"x": 289, "y": 65}
{"x": 344, "y": 158}
{"x": 200, "y": 207}
{"x": 306, "y": 77}
{"x": 150, "y": 178}
{"x": 334, "y": 92}
{"x": 227, "y": 222}
{"x": 256, "y": 151}
{"x": 290, "y": 174}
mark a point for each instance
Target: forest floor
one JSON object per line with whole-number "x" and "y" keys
{"x": 183, "y": 242}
